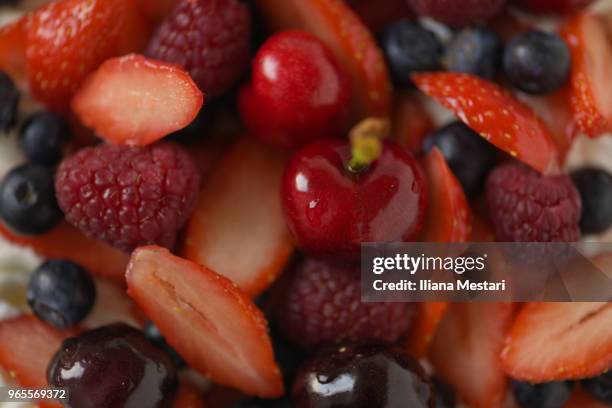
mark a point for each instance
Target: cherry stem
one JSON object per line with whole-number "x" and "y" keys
{"x": 366, "y": 143}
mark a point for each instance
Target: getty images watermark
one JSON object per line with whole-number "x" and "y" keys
{"x": 407, "y": 272}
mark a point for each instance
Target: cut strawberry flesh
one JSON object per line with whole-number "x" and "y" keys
{"x": 465, "y": 352}
{"x": 12, "y": 50}
{"x": 239, "y": 212}
{"x": 424, "y": 328}
{"x": 343, "y": 32}
{"x": 135, "y": 101}
{"x": 591, "y": 49}
{"x": 212, "y": 324}
{"x": 66, "y": 242}
{"x": 26, "y": 348}
{"x": 448, "y": 218}
{"x": 495, "y": 115}
{"x": 559, "y": 341}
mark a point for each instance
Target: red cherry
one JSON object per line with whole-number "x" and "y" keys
{"x": 298, "y": 91}
{"x": 331, "y": 210}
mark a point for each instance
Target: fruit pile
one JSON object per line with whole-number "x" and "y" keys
{"x": 199, "y": 177}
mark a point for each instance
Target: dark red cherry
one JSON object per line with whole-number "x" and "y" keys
{"x": 362, "y": 377}
{"x": 298, "y": 92}
{"x": 331, "y": 210}
{"x": 113, "y": 366}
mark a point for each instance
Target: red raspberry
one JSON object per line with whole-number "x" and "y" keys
{"x": 209, "y": 38}
{"x": 128, "y": 196}
{"x": 321, "y": 305}
{"x": 458, "y": 13}
{"x": 526, "y": 206}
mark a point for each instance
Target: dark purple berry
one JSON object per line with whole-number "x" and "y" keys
{"x": 537, "y": 62}
{"x": 600, "y": 387}
{"x": 113, "y": 366}
{"x": 545, "y": 395}
{"x": 475, "y": 51}
{"x": 595, "y": 189}
{"x": 43, "y": 136}
{"x": 61, "y": 293}
{"x": 9, "y": 99}
{"x": 362, "y": 377}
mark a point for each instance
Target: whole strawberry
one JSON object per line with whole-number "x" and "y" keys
{"x": 526, "y": 206}
{"x": 321, "y": 306}
{"x": 128, "y": 196}
{"x": 209, "y": 38}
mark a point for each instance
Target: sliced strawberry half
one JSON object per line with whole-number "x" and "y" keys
{"x": 26, "y": 348}
{"x": 424, "y": 328}
{"x": 559, "y": 341}
{"x": 135, "y": 101}
{"x": 239, "y": 212}
{"x": 342, "y": 31}
{"x": 188, "y": 396}
{"x": 556, "y": 112}
{"x": 66, "y": 242}
{"x": 68, "y": 39}
{"x": 448, "y": 217}
{"x": 212, "y": 324}
{"x": 495, "y": 115}
{"x": 411, "y": 122}
{"x": 13, "y": 48}
{"x": 465, "y": 352}
{"x": 591, "y": 50}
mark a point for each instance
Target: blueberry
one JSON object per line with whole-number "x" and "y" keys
{"x": 42, "y": 137}
{"x": 537, "y": 62}
{"x": 113, "y": 366}
{"x": 27, "y": 200}
{"x": 153, "y": 334}
{"x": 444, "y": 395}
{"x": 545, "y": 395}
{"x": 362, "y": 377}
{"x": 475, "y": 51}
{"x": 595, "y": 188}
{"x": 264, "y": 403}
{"x": 469, "y": 156}
{"x": 9, "y": 98}
{"x": 410, "y": 48}
{"x": 61, "y": 293}
{"x": 600, "y": 387}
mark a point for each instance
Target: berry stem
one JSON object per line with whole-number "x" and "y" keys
{"x": 366, "y": 143}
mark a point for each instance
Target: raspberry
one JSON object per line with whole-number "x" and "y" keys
{"x": 128, "y": 196}
{"x": 321, "y": 306}
{"x": 209, "y": 38}
{"x": 458, "y": 13}
{"x": 526, "y": 206}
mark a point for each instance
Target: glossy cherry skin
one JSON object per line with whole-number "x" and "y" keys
{"x": 298, "y": 92}
{"x": 362, "y": 377}
{"x": 113, "y": 366}
{"x": 331, "y": 211}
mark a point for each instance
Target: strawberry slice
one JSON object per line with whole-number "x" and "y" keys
{"x": 212, "y": 324}
{"x": 590, "y": 80}
{"x": 26, "y": 347}
{"x": 66, "y": 242}
{"x": 68, "y": 39}
{"x": 12, "y": 49}
{"x": 411, "y": 122}
{"x": 495, "y": 115}
{"x": 343, "y": 32}
{"x": 559, "y": 341}
{"x": 424, "y": 328}
{"x": 448, "y": 217}
{"x": 556, "y": 112}
{"x": 482, "y": 230}
{"x": 188, "y": 396}
{"x": 239, "y": 212}
{"x": 465, "y": 352}
{"x": 581, "y": 399}
{"x": 135, "y": 101}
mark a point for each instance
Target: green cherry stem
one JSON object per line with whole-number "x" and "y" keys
{"x": 366, "y": 143}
